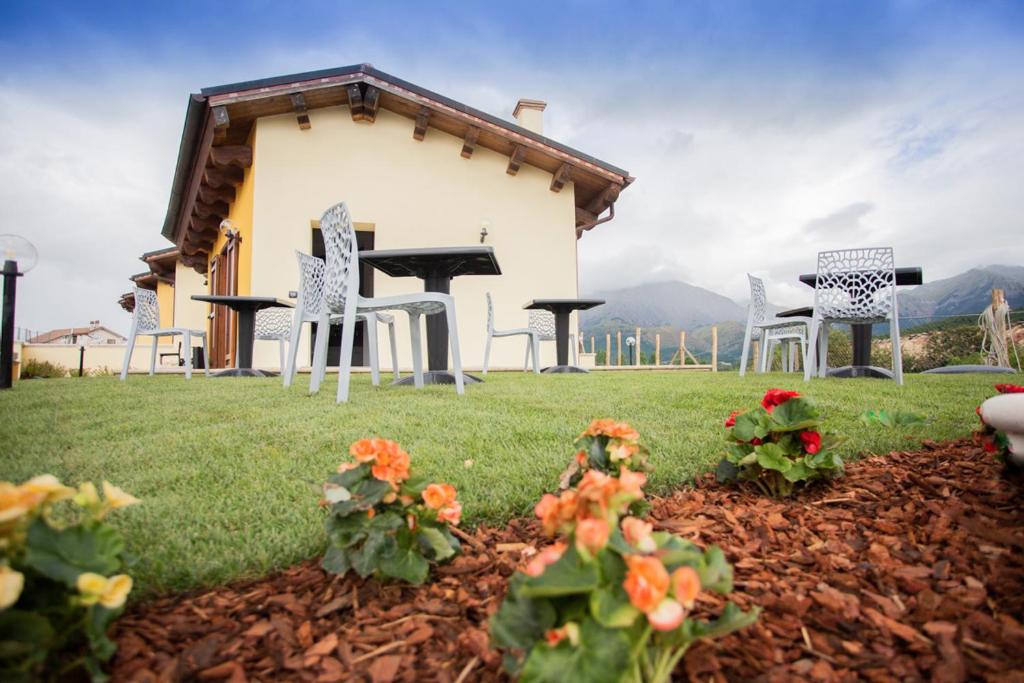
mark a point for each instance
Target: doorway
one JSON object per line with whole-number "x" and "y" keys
{"x": 360, "y": 351}
{"x": 223, "y": 325}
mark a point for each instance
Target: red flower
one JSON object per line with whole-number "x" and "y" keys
{"x": 756, "y": 441}
{"x": 731, "y": 421}
{"x": 1009, "y": 389}
{"x": 811, "y": 441}
{"x": 989, "y": 445}
{"x": 776, "y": 397}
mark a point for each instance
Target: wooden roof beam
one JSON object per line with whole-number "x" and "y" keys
{"x": 561, "y": 177}
{"x": 371, "y": 102}
{"x": 422, "y": 121}
{"x": 204, "y": 210}
{"x": 221, "y": 121}
{"x": 217, "y": 194}
{"x": 301, "y": 113}
{"x": 469, "y": 142}
{"x": 516, "y": 160}
{"x": 209, "y": 224}
{"x": 604, "y": 199}
{"x": 355, "y": 101}
{"x": 219, "y": 177}
{"x": 231, "y": 155}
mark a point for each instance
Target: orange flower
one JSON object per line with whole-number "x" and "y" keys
{"x": 548, "y": 556}
{"x": 346, "y": 466}
{"x": 646, "y": 582}
{"x": 592, "y": 535}
{"x": 451, "y": 514}
{"x": 619, "y": 450}
{"x": 667, "y": 616}
{"x": 392, "y": 463}
{"x": 571, "y": 630}
{"x": 632, "y": 482}
{"x": 686, "y": 585}
{"x": 555, "y": 511}
{"x": 638, "y": 534}
{"x": 612, "y": 429}
{"x": 437, "y": 496}
{"x": 581, "y": 458}
{"x": 371, "y": 513}
{"x": 364, "y": 450}
{"x": 596, "y": 489}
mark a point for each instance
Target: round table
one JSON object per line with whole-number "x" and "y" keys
{"x": 562, "y": 308}
{"x": 246, "y": 307}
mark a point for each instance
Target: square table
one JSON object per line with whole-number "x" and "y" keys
{"x": 562, "y": 308}
{"x": 246, "y": 307}
{"x": 861, "y": 332}
{"x": 436, "y": 266}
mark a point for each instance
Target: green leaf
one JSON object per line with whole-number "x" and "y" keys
{"x": 521, "y": 622}
{"x": 365, "y": 494}
{"x": 602, "y": 656}
{"x": 611, "y": 607}
{"x": 771, "y": 457}
{"x": 24, "y": 636}
{"x": 366, "y": 559}
{"x": 406, "y": 564}
{"x": 64, "y": 554}
{"x": 896, "y": 418}
{"x": 750, "y": 425}
{"x": 97, "y": 623}
{"x": 795, "y": 414}
{"x": 715, "y": 571}
{"x": 799, "y": 472}
{"x": 568, "y": 576}
{"x": 336, "y": 561}
{"x": 731, "y": 619}
{"x": 726, "y": 471}
{"x": 436, "y": 541}
{"x": 350, "y": 478}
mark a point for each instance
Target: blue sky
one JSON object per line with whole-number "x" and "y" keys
{"x": 759, "y": 132}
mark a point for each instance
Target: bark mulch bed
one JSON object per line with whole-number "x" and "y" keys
{"x": 909, "y": 568}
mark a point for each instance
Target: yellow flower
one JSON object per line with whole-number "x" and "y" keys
{"x": 117, "y": 498}
{"x": 87, "y": 495}
{"x": 49, "y": 487}
{"x": 111, "y": 593}
{"x": 12, "y": 503}
{"x": 11, "y": 583}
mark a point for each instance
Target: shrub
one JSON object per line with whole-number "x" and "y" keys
{"x": 33, "y": 368}
{"x": 612, "y": 600}
{"x": 60, "y": 586}
{"x": 383, "y": 521}
{"x": 778, "y": 445}
{"x": 991, "y": 439}
{"x": 612, "y": 448}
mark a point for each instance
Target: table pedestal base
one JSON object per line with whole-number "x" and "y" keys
{"x": 559, "y": 369}
{"x": 437, "y": 377}
{"x": 243, "y": 372}
{"x": 860, "y": 371}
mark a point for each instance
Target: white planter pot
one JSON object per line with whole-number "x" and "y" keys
{"x": 1006, "y": 413}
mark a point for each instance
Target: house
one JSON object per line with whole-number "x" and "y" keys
{"x": 265, "y": 158}
{"x": 94, "y": 333}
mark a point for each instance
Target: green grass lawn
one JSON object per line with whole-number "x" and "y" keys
{"x": 228, "y": 468}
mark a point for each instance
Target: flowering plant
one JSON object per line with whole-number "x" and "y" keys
{"x": 991, "y": 439}
{"x": 610, "y": 447}
{"x": 59, "y": 583}
{"x": 612, "y": 599}
{"x": 779, "y": 445}
{"x": 383, "y": 520}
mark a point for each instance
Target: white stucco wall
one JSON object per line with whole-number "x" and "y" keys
{"x": 417, "y": 194}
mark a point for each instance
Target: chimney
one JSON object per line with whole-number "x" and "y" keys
{"x": 530, "y": 114}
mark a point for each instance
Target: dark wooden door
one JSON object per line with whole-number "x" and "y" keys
{"x": 223, "y": 328}
{"x": 360, "y": 352}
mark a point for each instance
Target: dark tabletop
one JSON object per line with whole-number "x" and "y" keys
{"x": 803, "y": 312}
{"x": 904, "y": 276}
{"x": 449, "y": 261}
{"x": 243, "y": 301}
{"x": 551, "y": 304}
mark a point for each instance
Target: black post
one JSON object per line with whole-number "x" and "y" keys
{"x": 81, "y": 360}
{"x": 11, "y": 276}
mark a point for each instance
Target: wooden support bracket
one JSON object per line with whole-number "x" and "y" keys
{"x": 355, "y": 101}
{"x": 221, "y": 121}
{"x": 301, "y": 113}
{"x": 371, "y": 102}
{"x": 217, "y": 194}
{"x": 561, "y": 177}
{"x": 516, "y": 160}
{"x": 204, "y": 210}
{"x": 231, "y": 155}
{"x": 219, "y": 177}
{"x": 469, "y": 142}
{"x": 422, "y": 121}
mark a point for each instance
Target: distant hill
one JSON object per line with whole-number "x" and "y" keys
{"x": 665, "y": 308}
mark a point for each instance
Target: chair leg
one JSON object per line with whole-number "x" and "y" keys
{"x": 188, "y": 354}
{"x": 152, "y": 357}
{"x": 744, "y": 354}
{"x": 417, "y": 350}
{"x": 803, "y": 353}
{"x": 573, "y": 342}
{"x": 319, "y": 369}
{"x": 823, "y": 350}
{"x": 535, "y": 346}
{"x": 128, "y": 356}
{"x": 288, "y": 375}
{"x": 394, "y": 350}
{"x": 206, "y": 357}
{"x": 453, "y": 342}
{"x": 766, "y": 350}
{"x": 487, "y": 353}
{"x": 348, "y": 336}
{"x": 812, "y": 345}
{"x": 526, "y": 358}
{"x": 897, "y": 353}
{"x": 371, "y": 341}
{"x": 280, "y": 346}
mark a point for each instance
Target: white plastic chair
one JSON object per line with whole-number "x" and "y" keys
{"x": 308, "y": 308}
{"x": 146, "y": 321}
{"x": 771, "y": 331}
{"x": 854, "y": 286}
{"x": 274, "y": 324}
{"x": 492, "y": 333}
{"x": 341, "y": 297}
{"x": 542, "y": 324}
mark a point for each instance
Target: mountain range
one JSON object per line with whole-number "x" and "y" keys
{"x": 668, "y": 307}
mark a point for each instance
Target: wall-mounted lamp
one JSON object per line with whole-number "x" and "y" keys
{"x": 19, "y": 257}
{"x": 484, "y": 230}
{"x": 228, "y": 228}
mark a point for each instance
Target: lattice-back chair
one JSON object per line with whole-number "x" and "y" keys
{"x": 308, "y": 307}
{"x": 341, "y": 297}
{"x": 771, "y": 331}
{"x": 274, "y": 324}
{"x": 492, "y": 333}
{"x": 854, "y": 286}
{"x": 542, "y": 324}
{"x": 146, "y": 321}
